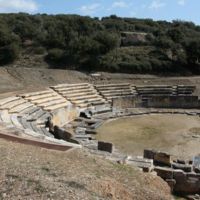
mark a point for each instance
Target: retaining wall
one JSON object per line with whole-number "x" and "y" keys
{"x": 126, "y": 102}
{"x": 186, "y": 102}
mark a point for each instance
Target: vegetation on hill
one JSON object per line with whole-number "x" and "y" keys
{"x": 109, "y": 44}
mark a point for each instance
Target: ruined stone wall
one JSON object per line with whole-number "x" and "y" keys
{"x": 182, "y": 176}
{"x": 173, "y": 102}
{"x": 126, "y": 102}
{"x": 64, "y": 115}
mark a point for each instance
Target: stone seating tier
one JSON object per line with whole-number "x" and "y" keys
{"x": 88, "y": 100}
{"x": 36, "y": 98}
{"x": 77, "y": 94}
{"x": 56, "y": 97}
{"x": 69, "y": 88}
{"x": 12, "y": 104}
{"x": 116, "y": 93}
{"x": 112, "y": 85}
{"x": 15, "y": 121}
{"x": 45, "y": 92}
{"x": 70, "y": 85}
{"x": 113, "y": 88}
{"x": 35, "y": 115}
{"x": 55, "y": 106}
{"x": 7, "y": 100}
{"x": 124, "y": 94}
{"x": 21, "y": 108}
{"x": 83, "y": 97}
{"x": 5, "y": 117}
{"x": 154, "y": 86}
{"x": 53, "y": 102}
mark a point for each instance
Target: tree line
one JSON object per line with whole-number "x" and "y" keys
{"x": 93, "y": 44}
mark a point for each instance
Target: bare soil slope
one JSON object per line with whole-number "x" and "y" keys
{"x": 18, "y": 79}
{"x": 28, "y": 172}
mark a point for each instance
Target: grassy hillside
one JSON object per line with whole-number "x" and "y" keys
{"x": 109, "y": 44}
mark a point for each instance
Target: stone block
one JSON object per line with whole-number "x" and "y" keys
{"x": 60, "y": 133}
{"x": 105, "y": 146}
{"x": 149, "y": 154}
{"x": 181, "y": 161}
{"x": 171, "y": 183}
{"x": 161, "y": 158}
{"x": 165, "y": 173}
{"x": 197, "y": 170}
{"x": 185, "y": 168}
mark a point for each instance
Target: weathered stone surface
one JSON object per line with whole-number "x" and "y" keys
{"x": 149, "y": 154}
{"x": 197, "y": 170}
{"x": 181, "y": 161}
{"x": 185, "y": 168}
{"x": 162, "y": 158}
{"x": 60, "y": 133}
{"x": 187, "y": 183}
{"x": 171, "y": 183}
{"x": 165, "y": 173}
{"x": 105, "y": 146}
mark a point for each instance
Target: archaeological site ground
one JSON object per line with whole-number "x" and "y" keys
{"x": 73, "y": 135}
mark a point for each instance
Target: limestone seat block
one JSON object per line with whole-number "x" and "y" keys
{"x": 73, "y": 95}
{"x": 69, "y": 85}
{"x": 118, "y": 96}
{"x": 87, "y": 100}
{"x": 35, "y": 93}
{"x": 84, "y": 97}
{"x": 116, "y": 91}
{"x": 57, "y": 101}
{"x": 46, "y": 99}
{"x": 12, "y": 104}
{"x": 54, "y": 107}
{"x": 5, "y": 117}
{"x": 9, "y": 99}
{"x": 112, "y": 84}
{"x": 20, "y": 108}
{"x": 15, "y": 121}
{"x": 42, "y": 96}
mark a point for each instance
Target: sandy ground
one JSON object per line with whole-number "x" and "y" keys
{"x": 176, "y": 134}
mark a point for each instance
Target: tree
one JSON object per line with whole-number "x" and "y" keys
{"x": 193, "y": 51}
{"x": 176, "y": 34}
{"x": 8, "y": 54}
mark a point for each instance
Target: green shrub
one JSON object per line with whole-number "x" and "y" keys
{"x": 39, "y": 50}
{"x": 55, "y": 55}
{"x": 8, "y": 54}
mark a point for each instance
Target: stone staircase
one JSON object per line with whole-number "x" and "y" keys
{"x": 82, "y": 95}
{"x": 111, "y": 91}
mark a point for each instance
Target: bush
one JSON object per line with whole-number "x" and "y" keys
{"x": 39, "y": 50}
{"x": 55, "y": 55}
{"x": 8, "y": 54}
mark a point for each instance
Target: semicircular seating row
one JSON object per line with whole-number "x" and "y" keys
{"x": 29, "y": 112}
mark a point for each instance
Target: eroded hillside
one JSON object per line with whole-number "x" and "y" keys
{"x": 28, "y": 172}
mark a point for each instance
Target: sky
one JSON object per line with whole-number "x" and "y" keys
{"x": 187, "y": 10}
